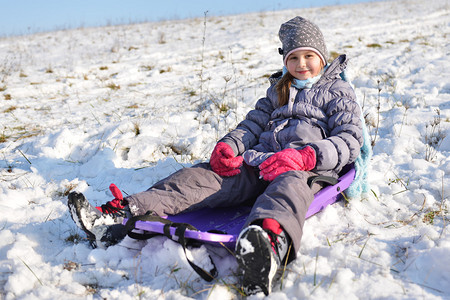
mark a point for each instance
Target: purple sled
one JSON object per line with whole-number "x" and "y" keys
{"x": 222, "y": 225}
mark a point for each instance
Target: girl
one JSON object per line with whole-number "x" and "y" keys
{"x": 309, "y": 123}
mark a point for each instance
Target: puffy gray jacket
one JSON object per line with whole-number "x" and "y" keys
{"x": 325, "y": 117}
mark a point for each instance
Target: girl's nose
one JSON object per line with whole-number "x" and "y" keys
{"x": 301, "y": 62}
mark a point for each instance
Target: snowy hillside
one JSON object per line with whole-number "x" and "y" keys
{"x": 80, "y": 109}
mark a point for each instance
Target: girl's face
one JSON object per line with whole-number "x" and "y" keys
{"x": 304, "y": 64}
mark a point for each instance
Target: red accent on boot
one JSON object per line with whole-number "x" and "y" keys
{"x": 118, "y": 201}
{"x": 116, "y": 192}
{"x": 272, "y": 225}
{"x": 275, "y": 227}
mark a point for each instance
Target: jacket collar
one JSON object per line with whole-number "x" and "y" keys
{"x": 335, "y": 69}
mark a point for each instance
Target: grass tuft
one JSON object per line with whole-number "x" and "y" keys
{"x": 434, "y": 135}
{"x": 3, "y": 137}
{"x": 74, "y": 238}
{"x": 136, "y": 128}
{"x": 333, "y": 55}
{"x": 113, "y": 86}
{"x": 162, "y": 38}
{"x": 10, "y": 109}
{"x": 168, "y": 69}
{"x": 71, "y": 265}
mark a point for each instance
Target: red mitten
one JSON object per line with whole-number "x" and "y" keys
{"x": 309, "y": 158}
{"x": 224, "y": 162}
{"x": 288, "y": 160}
{"x": 283, "y": 161}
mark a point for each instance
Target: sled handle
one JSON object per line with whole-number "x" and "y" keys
{"x": 320, "y": 178}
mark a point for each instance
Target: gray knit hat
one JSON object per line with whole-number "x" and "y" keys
{"x": 298, "y": 34}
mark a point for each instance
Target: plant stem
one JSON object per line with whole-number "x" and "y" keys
{"x": 315, "y": 269}
{"x": 31, "y": 271}
{"x": 25, "y": 156}
{"x": 378, "y": 115}
{"x": 364, "y": 246}
{"x": 203, "y": 56}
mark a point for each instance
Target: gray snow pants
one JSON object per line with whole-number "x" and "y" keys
{"x": 285, "y": 199}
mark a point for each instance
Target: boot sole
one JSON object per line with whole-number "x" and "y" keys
{"x": 256, "y": 261}
{"x": 77, "y": 203}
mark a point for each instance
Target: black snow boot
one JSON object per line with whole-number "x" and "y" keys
{"x": 102, "y": 229}
{"x": 259, "y": 258}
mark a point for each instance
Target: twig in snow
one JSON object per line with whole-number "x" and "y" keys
{"x": 378, "y": 115}
{"x": 284, "y": 267}
{"x": 364, "y": 246}
{"x": 25, "y": 156}
{"x": 203, "y": 56}
{"x": 315, "y": 269}
{"x": 31, "y": 271}
{"x": 442, "y": 208}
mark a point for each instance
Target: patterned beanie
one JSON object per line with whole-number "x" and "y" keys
{"x": 300, "y": 34}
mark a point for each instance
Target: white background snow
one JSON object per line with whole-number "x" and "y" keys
{"x": 80, "y": 109}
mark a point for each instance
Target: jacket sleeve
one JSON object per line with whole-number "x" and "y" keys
{"x": 345, "y": 138}
{"x": 246, "y": 134}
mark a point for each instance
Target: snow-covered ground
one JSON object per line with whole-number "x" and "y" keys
{"x": 80, "y": 109}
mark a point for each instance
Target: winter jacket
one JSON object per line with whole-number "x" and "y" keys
{"x": 325, "y": 117}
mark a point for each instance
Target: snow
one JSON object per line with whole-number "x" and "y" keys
{"x": 131, "y": 104}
